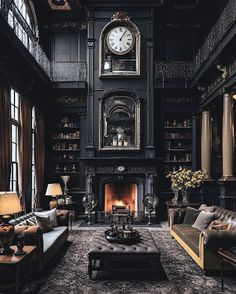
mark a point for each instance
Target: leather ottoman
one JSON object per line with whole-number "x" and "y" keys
{"x": 143, "y": 256}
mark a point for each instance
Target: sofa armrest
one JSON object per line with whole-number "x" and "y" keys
{"x": 33, "y": 235}
{"x": 218, "y": 239}
{"x": 63, "y": 218}
{"x": 176, "y": 216}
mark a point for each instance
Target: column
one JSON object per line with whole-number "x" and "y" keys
{"x": 195, "y": 141}
{"x": 227, "y": 138}
{"x": 89, "y": 183}
{"x": 206, "y": 143}
{"x": 90, "y": 78}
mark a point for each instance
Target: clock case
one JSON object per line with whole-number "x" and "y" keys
{"x": 112, "y": 65}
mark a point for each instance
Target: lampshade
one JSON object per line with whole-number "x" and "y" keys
{"x": 54, "y": 190}
{"x": 9, "y": 203}
{"x": 65, "y": 179}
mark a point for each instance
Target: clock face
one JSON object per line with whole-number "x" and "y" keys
{"x": 120, "y": 40}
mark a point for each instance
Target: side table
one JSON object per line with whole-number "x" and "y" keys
{"x": 13, "y": 266}
{"x": 229, "y": 256}
{"x": 71, "y": 207}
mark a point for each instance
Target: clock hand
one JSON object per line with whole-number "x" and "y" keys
{"x": 123, "y": 35}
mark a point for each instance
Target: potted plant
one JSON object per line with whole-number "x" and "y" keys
{"x": 185, "y": 179}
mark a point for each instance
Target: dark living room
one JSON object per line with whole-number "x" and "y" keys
{"x": 117, "y": 154}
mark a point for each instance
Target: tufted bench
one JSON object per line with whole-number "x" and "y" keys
{"x": 107, "y": 256}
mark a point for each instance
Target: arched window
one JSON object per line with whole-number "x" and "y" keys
{"x": 22, "y": 19}
{"x": 26, "y": 11}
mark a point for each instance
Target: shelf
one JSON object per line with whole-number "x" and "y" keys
{"x": 66, "y": 161}
{"x": 177, "y": 161}
{"x": 178, "y": 139}
{"x": 66, "y": 128}
{"x": 66, "y": 150}
{"x": 66, "y": 139}
{"x": 120, "y": 120}
{"x": 177, "y": 150}
{"x": 65, "y": 173}
{"x": 177, "y": 128}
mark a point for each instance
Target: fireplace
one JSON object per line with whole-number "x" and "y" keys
{"x": 121, "y": 193}
{"x": 119, "y": 168}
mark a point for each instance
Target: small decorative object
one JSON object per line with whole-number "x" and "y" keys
{"x": 89, "y": 202}
{"x": 20, "y": 244}
{"x": 150, "y": 202}
{"x": 185, "y": 179}
{"x": 9, "y": 204}
{"x": 54, "y": 190}
{"x": 176, "y": 194}
{"x": 65, "y": 180}
{"x": 65, "y": 122}
{"x": 122, "y": 234}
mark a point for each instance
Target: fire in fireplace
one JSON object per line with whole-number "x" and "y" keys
{"x": 121, "y": 193}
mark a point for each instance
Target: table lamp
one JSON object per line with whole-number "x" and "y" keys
{"x": 65, "y": 180}
{"x": 9, "y": 204}
{"x": 54, "y": 190}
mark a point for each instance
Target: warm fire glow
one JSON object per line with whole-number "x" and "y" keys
{"x": 121, "y": 194}
{"x": 119, "y": 203}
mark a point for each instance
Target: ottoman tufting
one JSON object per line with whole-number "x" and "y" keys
{"x": 142, "y": 256}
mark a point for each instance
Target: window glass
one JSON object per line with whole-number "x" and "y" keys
{"x": 33, "y": 184}
{"x": 15, "y": 144}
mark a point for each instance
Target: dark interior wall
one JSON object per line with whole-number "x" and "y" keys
{"x": 68, "y": 46}
{"x": 174, "y": 45}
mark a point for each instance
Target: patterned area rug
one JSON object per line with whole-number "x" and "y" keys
{"x": 68, "y": 274}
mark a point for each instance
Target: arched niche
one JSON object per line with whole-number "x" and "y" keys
{"x": 119, "y": 121}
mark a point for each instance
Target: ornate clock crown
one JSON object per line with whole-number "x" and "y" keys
{"x": 120, "y": 15}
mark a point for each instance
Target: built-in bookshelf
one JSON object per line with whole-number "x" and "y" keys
{"x": 177, "y": 142}
{"x": 66, "y": 146}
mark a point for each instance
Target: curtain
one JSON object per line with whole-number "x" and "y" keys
{"x": 39, "y": 157}
{"x": 5, "y": 138}
{"x": 25, "y": 154}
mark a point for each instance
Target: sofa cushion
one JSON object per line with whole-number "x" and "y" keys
{"x": 219, "y": 226}
{"x": 191, "y": 215}
{"x": 51, "y": 213}
{"x": 203, "y": 220}
{"x": 206, "y": 208}
{"x": 44, "y": 223}
{"x": 189, "y": 235}
{"x": 32, "y": 221}
{"x": 51, "y": 237}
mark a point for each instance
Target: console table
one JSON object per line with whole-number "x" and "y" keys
{"x": 12, "y": 269}
{"x": 170, "y": 204}
{"x": 71, "y": 207}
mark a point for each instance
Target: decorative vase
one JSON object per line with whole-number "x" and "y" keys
{"x": 176, "y": 195}
{"x": 185, "y": 196}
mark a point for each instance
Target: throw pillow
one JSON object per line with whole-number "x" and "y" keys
{"x": 51, "y": 213}
{"x": 31, "y": 221}
{"x": 203, "y": 220}
{"x": 206, "y": 208}
{"x": 44, "y": 223}
{"x": 24, "y": 223}
{"x": 219, "y": 226}
{"x": 191, "y": 215}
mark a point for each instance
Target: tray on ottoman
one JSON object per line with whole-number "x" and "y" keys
{"x": 113, "y": 257}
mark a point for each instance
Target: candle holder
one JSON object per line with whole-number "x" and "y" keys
{"x": 20, "y": 245}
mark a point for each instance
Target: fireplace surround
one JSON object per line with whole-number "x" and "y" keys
{"x": 120, "y": 181}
